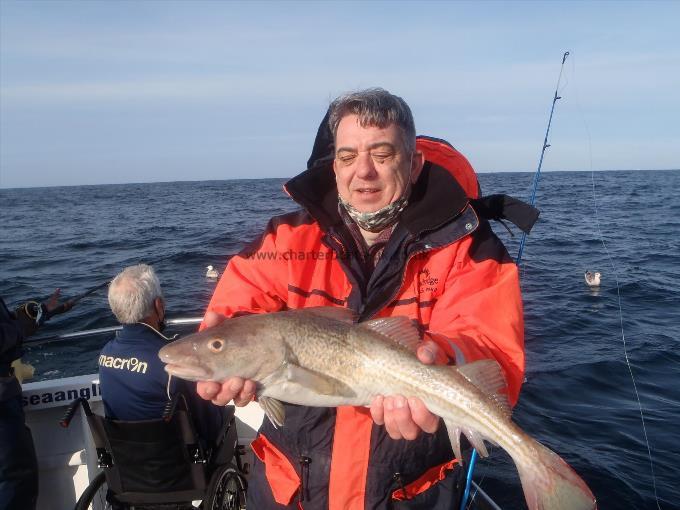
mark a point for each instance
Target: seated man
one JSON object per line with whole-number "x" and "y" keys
{"x": 134, "y": 384}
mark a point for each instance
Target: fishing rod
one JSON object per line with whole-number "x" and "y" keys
{"x": 38, "y": 310}
{"x": 67, "y": 305}
{"x": 537, "y": 175}
{"x": 99, "y": 331}
{"x": 518, "y": 260}
{"x": 77, "y": 298}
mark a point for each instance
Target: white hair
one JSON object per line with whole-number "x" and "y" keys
{"x": 132, "y": 293}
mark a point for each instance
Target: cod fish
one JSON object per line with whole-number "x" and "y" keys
{"x": 321, "y": 357}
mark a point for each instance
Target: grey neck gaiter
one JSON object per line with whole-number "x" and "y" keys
{"x": 379, "y": 220}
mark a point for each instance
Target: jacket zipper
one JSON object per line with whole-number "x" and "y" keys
{"x": 304, "y": 475}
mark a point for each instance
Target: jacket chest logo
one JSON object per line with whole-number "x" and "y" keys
{"x": 426, "y": 281}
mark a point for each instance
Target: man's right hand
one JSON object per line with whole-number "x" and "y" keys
{"x": 241, "y": 391}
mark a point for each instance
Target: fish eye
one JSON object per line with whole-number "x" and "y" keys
{"x": 215, "y": 345}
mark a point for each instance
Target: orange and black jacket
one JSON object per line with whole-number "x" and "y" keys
{"x": 442, "y": 267}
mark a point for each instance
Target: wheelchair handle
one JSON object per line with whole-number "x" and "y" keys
{"x": 71, "y": 411}
{"x": 171, "y": 405}
{"x": 169, "y": 409}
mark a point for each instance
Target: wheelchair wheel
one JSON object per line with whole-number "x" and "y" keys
{"x": 227, "y": 490}
{"x": 94, "y": 496}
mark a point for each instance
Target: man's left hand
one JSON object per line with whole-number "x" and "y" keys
{"x": 407, "y": 418}
{"x": 53, "y": 306}
{"x": 53, "y": 301}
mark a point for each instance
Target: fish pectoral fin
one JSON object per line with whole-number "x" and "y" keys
{"x": 332, "y": 312}
{"x": 399, "y": 330}
{"x": 318, "y": 383}
{"x": 274, "y": 410}
{"x": 487, "y": 375}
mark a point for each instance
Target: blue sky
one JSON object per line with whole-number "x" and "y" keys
{"x": 110, "y": 92}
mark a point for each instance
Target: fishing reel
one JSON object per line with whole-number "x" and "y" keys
{"x": 31, "y": 315}
{"x": 35, "y": 311}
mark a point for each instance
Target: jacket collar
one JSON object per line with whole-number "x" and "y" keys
{"x": 140, "y": 329}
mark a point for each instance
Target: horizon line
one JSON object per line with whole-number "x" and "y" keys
{"x": 290, "y": 177}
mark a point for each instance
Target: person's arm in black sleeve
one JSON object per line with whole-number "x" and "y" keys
{"x": 26, "y": 319}
{"x": 11, "y": 332}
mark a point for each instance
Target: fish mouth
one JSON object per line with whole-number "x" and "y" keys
{"x": 190, "y": 372}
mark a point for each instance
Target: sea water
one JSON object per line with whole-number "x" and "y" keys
{"x": 578, "y": 398}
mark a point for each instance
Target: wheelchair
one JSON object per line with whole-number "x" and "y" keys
{"x": 161, "y": 464}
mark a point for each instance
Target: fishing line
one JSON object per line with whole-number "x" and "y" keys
{"x": 618, "y": 289}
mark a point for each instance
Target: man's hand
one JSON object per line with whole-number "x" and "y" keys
{"x": 406, "y": 418}
{"x": 53, "y": 301}
{"x": 31, "y": 315}
{"x": 241, "y": 391}
{"x": 54, "y": 307}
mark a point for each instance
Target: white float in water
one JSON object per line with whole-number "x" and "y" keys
{"x": 592, "y": 279}
{"x": 212, "y": 272}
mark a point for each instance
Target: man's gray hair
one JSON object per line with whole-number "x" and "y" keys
{"x": 374, "y": 107}
{"x": 132, "y": 293}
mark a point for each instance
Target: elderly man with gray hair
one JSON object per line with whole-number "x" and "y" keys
{"x": 133, "y": 381}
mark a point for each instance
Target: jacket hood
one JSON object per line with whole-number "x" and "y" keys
{"x": 437, "y": 196}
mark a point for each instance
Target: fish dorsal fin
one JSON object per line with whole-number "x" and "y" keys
{"x": 487, "y": 375}
{"x": 333, "y": 312}
{"x": 399, "y": 330}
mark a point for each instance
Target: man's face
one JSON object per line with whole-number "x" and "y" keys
{"x": 372, "y": 166}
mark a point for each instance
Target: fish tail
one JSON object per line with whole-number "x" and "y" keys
{"x": 549, "y": 483}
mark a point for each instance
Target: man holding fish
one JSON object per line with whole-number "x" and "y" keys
{"x": 388, "y": 236}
